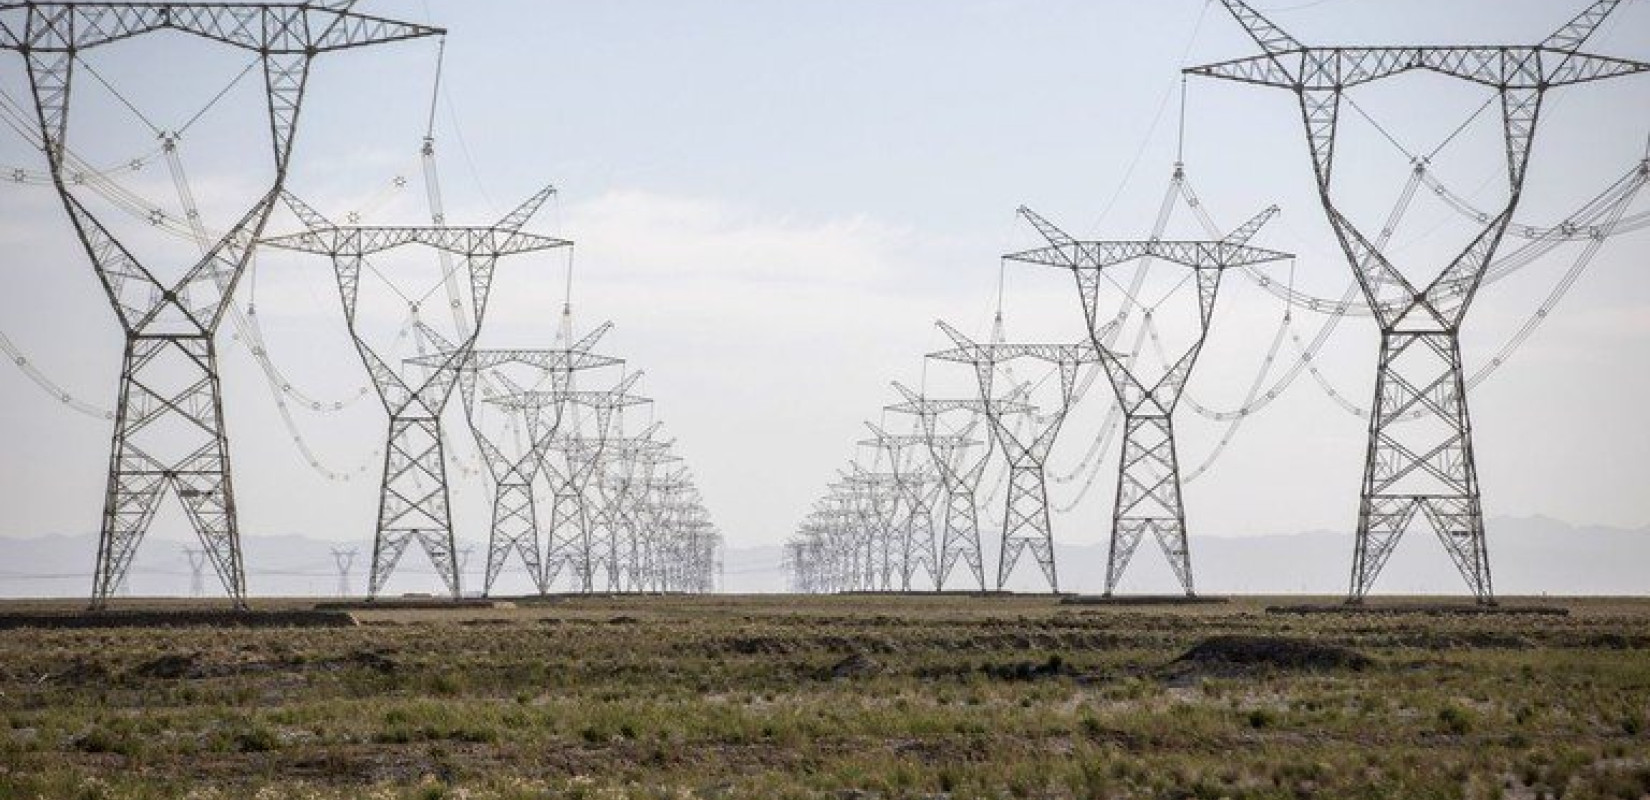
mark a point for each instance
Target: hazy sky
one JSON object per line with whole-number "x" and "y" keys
{"x": 773, "y": 202}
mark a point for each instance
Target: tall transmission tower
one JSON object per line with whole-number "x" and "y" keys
{"x": 614, "y": 463}
{"x": 668, "y": 504}
{"x": 629, "y": 465}
{"x": 909, "y": 484}
{"x": 197, "y": 571}
{"x": 413, "y": 500}
{"x": 482, "y": 377}
{"x": 1420, "y": 458}
{"x": 831, "y": 559}
{"x": 958, "y": 473}
{"x": 1148, "y": 499}
{"x": 1026, "y": 521}
{"x": 916, "y": 472}
{"x": 169, "y": 431}
{"x": 570, "y": 459}
{"x": 650, "y": 493}
{"x": 343, "y": 559}
{"x": 873, "y": 500}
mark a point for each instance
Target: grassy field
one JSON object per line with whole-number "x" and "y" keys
{"x": 836, "y": 697}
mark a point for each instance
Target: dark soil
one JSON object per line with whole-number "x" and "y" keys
{"x": 1054, "y": 667}
{"x": 1142, "y": 600}
{"x": 169, "y": 666}
{"x": 1425, "y": 609}
{"x": 1244, "y": 654}
{"x": 197, "y": 618}
{"x": 857, "y": 665}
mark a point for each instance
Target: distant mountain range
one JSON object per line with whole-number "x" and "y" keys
{"x": 1528, "y": 555}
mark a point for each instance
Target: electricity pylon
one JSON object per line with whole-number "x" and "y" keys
{"x": 913, "y": 482}
{"x": 169, "y": 430}
{"x": 836, "y": 519}
{"x": 871, "y": 500}
{"x": 656, "y": 512}
{"x": 608, "y": 458}
{"x": 1026, "y": 521}
{"x": 343, "y": 559}
{"x": 959, "y": 477}
{"x": 691, "y": 563}
{"x": 835, "y": 550}
{"x": 413, "y": 500}
{"x": 197, "y": 571}
{"x": 629, "y": 465}
{"x": 515, "y": 527}
{"x": 1148, "y": 476}
{"x": 570, "y": 459}
{"x": 1420, "y": 455}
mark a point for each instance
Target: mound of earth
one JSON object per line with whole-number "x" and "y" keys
{"x": 1244, "y": 654}
{"x": 1054, "y": 667}
{"x": 170, "y": 667}
{"x": 178, "y": 618}
{"x": 857, "y": 665}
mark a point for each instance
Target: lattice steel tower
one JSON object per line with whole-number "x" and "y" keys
{"x": 622, "y": 489}
{"x": 481, "y": 377}
{"x": 1026, "y": 521}
{"x": 870, "y": 500}
{"x": 1148, "y": 474}
{"x": 169, "y": 431}
{"x": 915, "y": 483}
{"x": 958, "y": 472}
{"x": 571, "y": 542}
{"x": 1420, "y": 454}
{"x": 414, "y": 501}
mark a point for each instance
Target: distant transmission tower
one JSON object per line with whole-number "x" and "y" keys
{"x": 571, "y": 459}
{"x": 482, "y": 377}
{"x": 959, "y": 477}
{"x": 169, "y": 431}
{"x": 1420, "y": 458}
{"x": 1026, "y": 521}
{"x": 1148, "y": 476}
{"x": 343, "y": 559}
{"x": 197, "y": 571}
{"x": 873, "y": 501}
{"x": 413, "y": 501}
{"x": 629, "y": 463}
{"x": 917, "y": 479}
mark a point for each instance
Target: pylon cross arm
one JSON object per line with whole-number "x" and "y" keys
{"x": 464, "y": 241}
{"x": 544, "y": 399}
{"x": 1061, "y": 354}
{"x": 265, "y": 28}
{"x": 1340, "y": 68}
{"x": 1100, "y": 255}
{"x": 552, "y": 360}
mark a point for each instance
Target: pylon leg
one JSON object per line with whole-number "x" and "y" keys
{"x": 1149, "y": 500}
{"x": 1026, "y": 524}
{"x": 413, "y": 504}
{"x": 961, "y": 537}
{"x": 919, "y": 547}
{"x": 569, "y": 541}
{"x": 1420, "y": 461}
{"x": 169, "y": 433}
{"x": 600, "y": 554}
{"x": 514, "y": 529}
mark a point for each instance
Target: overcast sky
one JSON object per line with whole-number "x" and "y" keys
{"x": 774, "y": 202}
